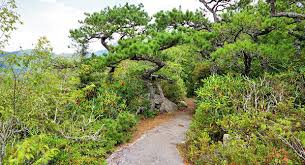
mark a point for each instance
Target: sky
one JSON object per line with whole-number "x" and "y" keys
{"x": 54, "y": 19}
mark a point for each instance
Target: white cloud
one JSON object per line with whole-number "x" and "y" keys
{"x": 53, "y": 21}
{"x": 49, "y": 1}
{"x": 155, "y": 6}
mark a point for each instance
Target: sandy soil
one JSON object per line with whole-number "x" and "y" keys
{"x": 155, "y": 141}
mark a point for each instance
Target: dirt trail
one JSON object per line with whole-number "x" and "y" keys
{"x": 158, "y": 145}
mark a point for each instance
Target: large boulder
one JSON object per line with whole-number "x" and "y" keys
{"x": 168, "y": 106}
{"x": 165, "y": 105}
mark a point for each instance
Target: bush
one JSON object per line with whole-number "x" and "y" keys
{"x": 129, "y": 85}
{"x": 200, "y": 72}
{"x": 260, "y": 119}
{"x": 119, "y": 130}
{"x": 112, "y": 133}
{"x": 175, "y": 90}
{"x": 186, "y": 58}
{"x": 78, "y": 147}
{"x": 33, "y": 150}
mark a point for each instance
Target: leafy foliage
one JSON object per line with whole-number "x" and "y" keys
{"x": 9, "y": 18}
{"x": 34, "y": 150}
{"x": 259, "y": 116}
{"x": 123, "y": 20}
{"x": 176, "y": 17}
{"x": 246, "y": 68}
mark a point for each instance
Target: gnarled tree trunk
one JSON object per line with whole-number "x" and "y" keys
{"x": 247, "y": 63}
{"x": 160, "y": 90}
{"x": 152, "y": 94}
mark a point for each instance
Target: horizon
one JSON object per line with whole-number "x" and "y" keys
{"x": 39, "y": 19}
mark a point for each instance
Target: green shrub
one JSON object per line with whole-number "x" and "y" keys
{"x": 128, "y": 83}
{"x": 261, "y": 117}
{"x": 119, "y": 130}
{"x": 33, "y": 150}
{"x": 175, "y": 90}
{"x": 77, "y": 147}
{"x": 201, "y": 71}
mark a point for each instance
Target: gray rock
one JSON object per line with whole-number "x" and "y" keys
{"x": 158, "y": 100}
{"x": 164, "y": 104}
{"x": 168, "y": 106}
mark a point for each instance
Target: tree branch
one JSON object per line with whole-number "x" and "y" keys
{"x": 210, "y": 9}
{"x": 296, "y": 35}
{"x": 147, "y": 74}
{"x": 238, "y": 33}
{"x": 171, "y": 44}
{"x": 284, "y": 14}
{"x": 290, "y": 15}
{"x": 104, "y": 43}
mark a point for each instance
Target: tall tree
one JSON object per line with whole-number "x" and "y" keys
{"x": 8, "y": 21}
{"x": 147, "y": 48}
{"x": 294, "y": 9}
{"x": 177, "y": 18}
{"x": 117, "y": 23}
{"x": 9, "y": 18}
{"x": 215, "y": 7}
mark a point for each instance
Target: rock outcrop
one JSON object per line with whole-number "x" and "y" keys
{"x": 164, "y": 104}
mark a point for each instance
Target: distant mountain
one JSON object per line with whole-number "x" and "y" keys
{"x": 29, "y": 51}
{"x": 64, "y": 54}
{"x": 97, "y": 53}
{"x": 18, "y": 53}
{"x": 101, "y": 52}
